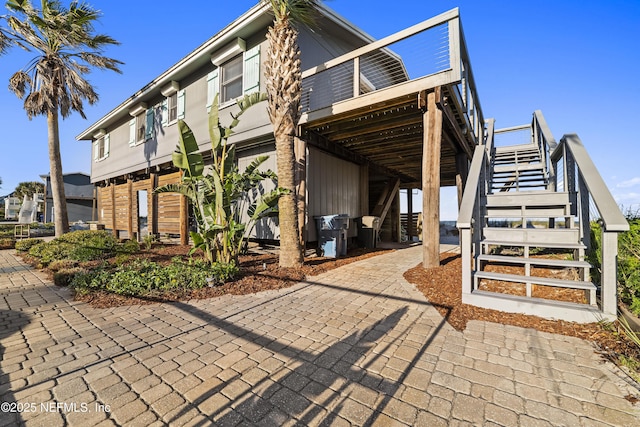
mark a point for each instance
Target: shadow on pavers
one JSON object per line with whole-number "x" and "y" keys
{"x": 11, "y": 322}
{"x": 313, "y": 376}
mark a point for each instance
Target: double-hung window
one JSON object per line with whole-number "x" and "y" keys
{"x": 101, "y": 147}
{"x": 231, "y": 80}
{"x": 173, "y": 105}
{"x": 141, "y": 126}
{"x": 234, "y": 76}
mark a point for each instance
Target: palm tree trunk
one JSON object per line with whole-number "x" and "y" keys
{"x": 61, "y": 220}
{"x": 284, "y": 82}
{"x": 290, "y": 248}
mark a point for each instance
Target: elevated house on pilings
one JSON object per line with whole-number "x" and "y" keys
{"x": 378, "y": 116}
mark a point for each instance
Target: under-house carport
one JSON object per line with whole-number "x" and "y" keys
{"x": 405, "y": 107}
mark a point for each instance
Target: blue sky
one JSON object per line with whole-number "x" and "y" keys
{"x": 575, "y": 60}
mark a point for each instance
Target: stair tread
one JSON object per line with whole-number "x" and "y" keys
{"x": 535, "y": 244}
{"x": 563, "y": 283}
{"x": 562, "y": 305}
{"x": 507, "y": 179}
{"x": 535, "y": 261}
{"x": 520, "y": 168}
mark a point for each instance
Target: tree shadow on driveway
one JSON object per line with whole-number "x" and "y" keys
{"x": 11, "y": 322}
{"x": 312, "y": 387}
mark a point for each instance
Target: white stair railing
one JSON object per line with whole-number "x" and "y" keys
{"x": 581, "y": 179}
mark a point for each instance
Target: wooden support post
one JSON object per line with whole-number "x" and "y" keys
{"x": 152, "y": 220}
{"x": 410, "y": 229}
{"x": 462, "y": 172}
{"x": 132, "y": 209}
{"x": 432, "y": 124}
{"x": 113, "y": 209}
{"x": 184, "y": 220}
{"x": 609, "y": 277}
{"x": 398, "y": 221}
{"x": 300, "y": 176}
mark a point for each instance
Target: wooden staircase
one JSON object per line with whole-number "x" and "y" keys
{"x": 523, "y": 243}
{"x": 518, "y": 167}
{"x": 533, "y": 232}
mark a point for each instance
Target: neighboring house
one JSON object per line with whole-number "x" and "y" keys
{"x": 11, "y": 207}
{"x": 133, "y": 144}
{"x": 79, "y": 192}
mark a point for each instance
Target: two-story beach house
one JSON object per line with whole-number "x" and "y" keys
{"x": 378, "y": 116}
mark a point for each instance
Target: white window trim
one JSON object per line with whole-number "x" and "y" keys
{"x": 250, "y": 80}
{"x": 106, "y": 140}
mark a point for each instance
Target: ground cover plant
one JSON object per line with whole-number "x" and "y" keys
{"x": 628, "y": 260}
{"x": 7, "y": 233}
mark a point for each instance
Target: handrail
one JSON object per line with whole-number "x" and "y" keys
{"x": 612, "y": 217}
{"x": 384, "y": 42}
{"x": 375, "y": 67}
{"x": 469, "y": 198}
{"x": 544, "y": 129}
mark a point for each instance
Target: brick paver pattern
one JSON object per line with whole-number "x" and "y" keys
{"x": 355, "y": 346}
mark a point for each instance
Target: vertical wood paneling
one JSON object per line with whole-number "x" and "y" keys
{"x": 334, "y": 188}
{"x": 168, "y": 206}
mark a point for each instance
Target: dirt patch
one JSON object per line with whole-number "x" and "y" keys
{"x": 442, "y": 287}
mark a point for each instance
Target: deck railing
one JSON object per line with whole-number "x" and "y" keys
{"x": 471, "y": 215}
{"x": 575, "y": 173}
{"x": 430, "y": 54}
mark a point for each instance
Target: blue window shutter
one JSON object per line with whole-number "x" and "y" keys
{"x": 181, "y": 103}
{"x": 251, "y": 75}
{"x": 213, "y": 85}
{"x": 165, "y": 112}
{"x": 148, "y": 130}
{"x": 107, "y": 144}
{"x": 132, "y": 132}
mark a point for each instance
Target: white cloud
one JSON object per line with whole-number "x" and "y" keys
{"x": 628, "y": 201}
{"x": 629, "y": 183}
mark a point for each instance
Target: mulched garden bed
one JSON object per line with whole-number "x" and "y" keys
{"x": 258, "y": 272}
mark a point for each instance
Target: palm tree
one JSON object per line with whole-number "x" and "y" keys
{"x": 284, "y": 88}
{"x": 28, "y": 189}
{"x": 53, "y": 83}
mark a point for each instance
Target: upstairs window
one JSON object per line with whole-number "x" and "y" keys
{"x": 101, "y": 148}
{"x": 231, "y": 80}
{"x": 235, "y": 77}
{"x": 173, "y": 104}
{"x": 141, "y": 127}
{"x": 172, "y": 107}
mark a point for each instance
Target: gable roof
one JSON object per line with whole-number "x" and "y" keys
{"x": 255, "y": 19}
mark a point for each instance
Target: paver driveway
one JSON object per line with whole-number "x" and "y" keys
{"x": 355, "y": 346}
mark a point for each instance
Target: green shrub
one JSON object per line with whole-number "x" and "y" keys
{"x": 26, "y": 244}
{"x": 628, "y": 262}
{"x": 62, "y": 264}
{"x": 64, "y": 276}
{"x": 143, "y": 277}
{"x": 129, "y": 247}
{"x": 82, "y": 245}
{"x": 7, "y": 243}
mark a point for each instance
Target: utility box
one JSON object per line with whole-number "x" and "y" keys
{"x": 332, "y": 235}
{"x": 368, "y": 229}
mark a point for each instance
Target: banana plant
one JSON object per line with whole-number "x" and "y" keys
{"x": 219, "y": 198}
